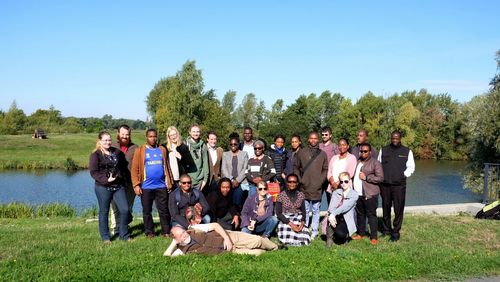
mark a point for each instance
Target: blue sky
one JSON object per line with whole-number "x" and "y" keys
{"x": 90, "y": 58}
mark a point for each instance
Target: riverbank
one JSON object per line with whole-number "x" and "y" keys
{"x": 431, "y": 248}
{"x": 59, "y": 151}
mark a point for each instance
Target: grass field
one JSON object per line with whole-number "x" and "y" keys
{"x": 23, "y": 152}
{"x": 431, "y": 248}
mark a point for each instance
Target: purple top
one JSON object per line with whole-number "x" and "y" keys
{"x": 250, "y": 207}
{"x": 331, "y": 150}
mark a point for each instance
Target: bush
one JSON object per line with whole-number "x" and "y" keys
{"x": 70, "y": 164}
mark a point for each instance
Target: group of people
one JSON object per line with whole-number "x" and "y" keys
{"x": 211, "y": 200}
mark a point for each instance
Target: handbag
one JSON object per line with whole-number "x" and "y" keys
{"x": 273, "y": 189}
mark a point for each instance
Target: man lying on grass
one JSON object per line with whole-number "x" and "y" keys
{"x": 212, "y": 239}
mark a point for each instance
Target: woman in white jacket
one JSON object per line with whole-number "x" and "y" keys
{"x": 341, "y": 212}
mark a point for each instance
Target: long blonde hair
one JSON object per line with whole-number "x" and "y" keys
{"x": 98, "y": 143}
{"x": 179, "y": 137}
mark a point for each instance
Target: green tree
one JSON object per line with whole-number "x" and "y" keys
{"x": 482, "y": 118}
{"x": 246, "y": 112}
{"x": 347, "y": 121}
{"x": 228, "y": 101}
{"x": 177, "y": 100}
{"x": 13, "y": 121}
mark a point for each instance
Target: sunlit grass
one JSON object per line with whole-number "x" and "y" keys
{"x": 431, "y": 248}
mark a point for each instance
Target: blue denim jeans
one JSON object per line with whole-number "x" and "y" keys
{"x": 104, "y": 197}
{"x": 313, "y": 206}
{"x": 265, "y": 227}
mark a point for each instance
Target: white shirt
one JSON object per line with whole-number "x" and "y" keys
{"x": 357, "y": 183}
{"x": 339, "y": 167}
{"x": 249, "y": 149}
{"x": 213, "y": 154}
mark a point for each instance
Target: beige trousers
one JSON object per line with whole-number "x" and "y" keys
{"x": 244, "y": 243}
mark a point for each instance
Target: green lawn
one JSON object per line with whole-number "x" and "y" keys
{"x": 431, "y": 248}
{"x": 21, "y": 151}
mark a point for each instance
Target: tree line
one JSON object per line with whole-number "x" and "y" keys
{"x": 15, "y": 121}
{"x": 434, "y": 125}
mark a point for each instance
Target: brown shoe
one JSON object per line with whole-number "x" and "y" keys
{"x": 150, "y": 236}
{"x": 374, "y": 242}
{"x": 357, "y": 237}
{"x": 107, "y": 242}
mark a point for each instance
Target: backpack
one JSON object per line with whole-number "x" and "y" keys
{"x": 490, "y": 211}
{"x": 177, "y": 192}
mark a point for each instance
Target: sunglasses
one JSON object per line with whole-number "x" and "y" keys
{"x": 233, "y": 144}
{"x": 325, "y": 134}
{"x": 344, "y": 181}
{"x": 292, "y": 181}
{"x": 260, "y": 189}
{"x": 258, "y": 148}
{"x": 364, "y": 151}
{"x": 186, "y": 182}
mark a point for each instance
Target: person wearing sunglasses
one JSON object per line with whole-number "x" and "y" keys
{"x": 186, "y": 198}
{"x": 291, "y": 210}
{"x": 331, "y": 149}
{"x": 367, "y": 177}
{"x": 362, "y": 137}
{"x": 341, "y": 212}
{"x": 234, "y": 166}
{"x": 260, "y": 167}
{"x": 257, "y": 214}
{"x": 344, "y": 161}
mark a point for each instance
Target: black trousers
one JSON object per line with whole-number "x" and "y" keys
{"x": 340, "y": 233}
{"x": 367, "y": 208}
{"x": 393, "y": 195}
{"x": 160, "y": 197}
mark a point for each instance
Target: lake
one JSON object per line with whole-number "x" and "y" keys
{"x": 434, "y": 182}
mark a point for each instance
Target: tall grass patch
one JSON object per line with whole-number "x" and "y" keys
{"x": 23, "y": 210}
{"x": 16, "y": 210}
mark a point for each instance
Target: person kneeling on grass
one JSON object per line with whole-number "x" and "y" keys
{"x": 291, "y": 210}
{"x": 341, "y": 212}
{"x": 212, "y": 239}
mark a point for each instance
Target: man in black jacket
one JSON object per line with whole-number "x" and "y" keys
{"x": 398, "y": 164}
{"x": 185, "y": 198}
